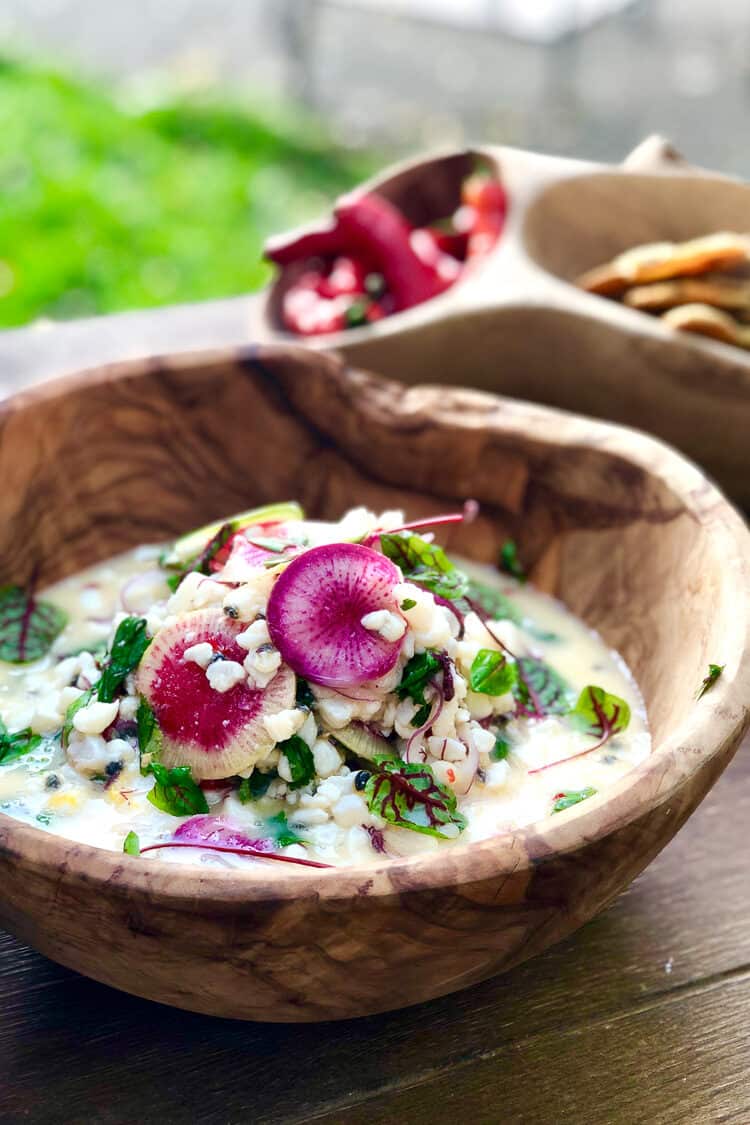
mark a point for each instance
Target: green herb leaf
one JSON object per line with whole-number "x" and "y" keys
{"x": 201, "y": 561}
{"x": 280, "y": 831}
{"x": 500, "y": 750}
{"x": 256, "y": 785}
{"x": 16, "y": 745}
{"x": 491, "y": 674}
{"x": 129, "y": 644}
{"x": 44, "y": 818}
{"x": 73, "y": 708}
{"x": 408, "y": 603}
{"x": 571, "y": 797}
{"x": 175, "y": 791}
{"x": 493, "y": 603}
{"x": 28, "y": 627}
{"x": 304, "y": 695}
{"x": 409, "y": 796}
{"x": 714, "y": 671}
{"x": 149, "y": 734}
{"x": 300, "y": 758}
{"x": 416, "y": 675}
{"x": 425, "y": 564}
{"x": 356, "y": 314}
{"x": 540, "y": 690}
{"x": 132, "y": 845}
{"x": 509, "y": 561}
{"x": 599, "y": 713}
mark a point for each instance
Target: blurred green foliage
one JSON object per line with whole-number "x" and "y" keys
{"x": 104, "y": 209}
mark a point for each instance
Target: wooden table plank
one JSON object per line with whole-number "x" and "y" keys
{"x": 641, "y": 1012}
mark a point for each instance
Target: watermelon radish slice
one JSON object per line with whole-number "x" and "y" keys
{"x": 214, "y": 830}
{"x": 217, "y": 734}
{"x": 315, "y": 614}
{"x": 240, "y": 549}
{"x": 188, "y": 546}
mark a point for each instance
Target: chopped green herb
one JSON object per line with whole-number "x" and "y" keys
{"x": 356, "y": 314}
{"x": 129, "y": 644}
{"x": 425, "y": 564}
{"x": 132, "y": 845}
{"x": 509, "y": 561}
{"x": 491, "y": 673}
{"x": 571, "y": 797}
{"x": 256, "y": 785}
{"x": 300, "y": 759}
{"x": 280, "y": 831}
{"x": 201, "y": 561}
{"x": 714, "y": 671}
{"x": 44, "y": 818}
{"x": 500, "y": 750}
{"x": 16, "y": 745}
{"x": 175, "y": 791}
{"x": 269, "y": 543}
{"x": 304, "y": 696}
{"x": 408, "y": 796}
{"x": 28, "y": 627}
{"x": 149, "y": 733}
{"x": 408, "y": 603}
{"x": 416, "y": 675}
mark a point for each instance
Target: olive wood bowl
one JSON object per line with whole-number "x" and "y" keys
{"x": 628, "y": 533}
{"x": 517, "y": 324}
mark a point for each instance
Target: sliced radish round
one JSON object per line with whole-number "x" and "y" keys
{"x": 315, "y": 614}
{"x": 214, "y": 830}
{"x": 216, "y": 733}
{"x": 241, "y": 550}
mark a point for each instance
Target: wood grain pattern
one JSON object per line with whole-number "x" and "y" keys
{"x": 518, "y": 326}
{"x": 595, "y": 1031}
{"x": 631, "y": 536}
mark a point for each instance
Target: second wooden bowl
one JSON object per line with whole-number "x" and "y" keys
{"x": 629, "y": 534}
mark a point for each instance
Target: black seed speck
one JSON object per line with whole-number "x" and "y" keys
{"x": 231, "y": 611}
{"x": 113, "y": 769}
{"x": 360, "y": 781}
{"x": 52, "y": 781}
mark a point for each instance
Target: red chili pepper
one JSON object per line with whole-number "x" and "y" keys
{"x": 453, "y": 242}
{"x": 347, "y": 276}
{"x": 486, "y": 196}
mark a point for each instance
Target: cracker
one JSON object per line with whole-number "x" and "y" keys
{"x": 721, "y": 292}
{"x": 704, "y": 320}
{"x": 661, "y": 261}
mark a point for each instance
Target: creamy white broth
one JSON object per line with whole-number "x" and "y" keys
{"x": 47, "y": 790}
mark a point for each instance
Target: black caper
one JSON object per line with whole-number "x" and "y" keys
{"x": 360, "y": 781}
{"x": 113, "y": 769}
{"x": 231, "y": 611}
{"x": 52, "y": 781}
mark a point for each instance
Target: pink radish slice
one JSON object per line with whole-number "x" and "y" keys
{"x": 217, "y": 734}
{"x": 315, "y": 614}
{"x": 238, "y": 548}
{"x": 214, "y": 830}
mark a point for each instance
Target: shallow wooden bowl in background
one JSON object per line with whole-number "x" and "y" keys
{"x": 629, "y": 534}
{"x": 517, "y": 325}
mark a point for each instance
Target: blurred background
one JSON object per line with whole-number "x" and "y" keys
{"x": 146, "y": 149}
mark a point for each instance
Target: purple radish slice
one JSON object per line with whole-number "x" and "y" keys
{"x": 217, "y": 734}
{"x": 214, "y": 830}
{"x": 315, "y": 614}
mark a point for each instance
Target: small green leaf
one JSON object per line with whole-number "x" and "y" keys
{"x": 132, "y": 845}
{"x": 300, "y": 758}
{"x": 149, "y": 734}
{"x": 44, "y": 818}
{"x": 509, "y": 561}
{"x": 409, "y": 796}
{"x": 599, "y": 713}
{"x": 571, "y": 797}
{"x": 425, "y": 564}
{"x": 175, "y": 791}
{"x": 129, "y": 644}
{"x": 500, "y": 750}
{"x": 408, "y": 603}
{"x": 28, "y": 627}
{"x": 16, "y": 745}
{"x": 541, "y": 690}
{"x": 416, "y": 675}
{"x": 280, "y": 831}
{"x": 714, "y": 671}
{"x": 491, "y": 673}
{"x": 256, "y": 785}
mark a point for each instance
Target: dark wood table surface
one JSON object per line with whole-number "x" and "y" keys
{"x": 640, "y": 1017}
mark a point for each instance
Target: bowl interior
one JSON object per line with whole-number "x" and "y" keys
{"x": 585, "y": 221}
{"x": 617, "y": 526}
{"x": 424, "y": 192}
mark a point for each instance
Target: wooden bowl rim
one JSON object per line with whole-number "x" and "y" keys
{"x": 709, "y": 726}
